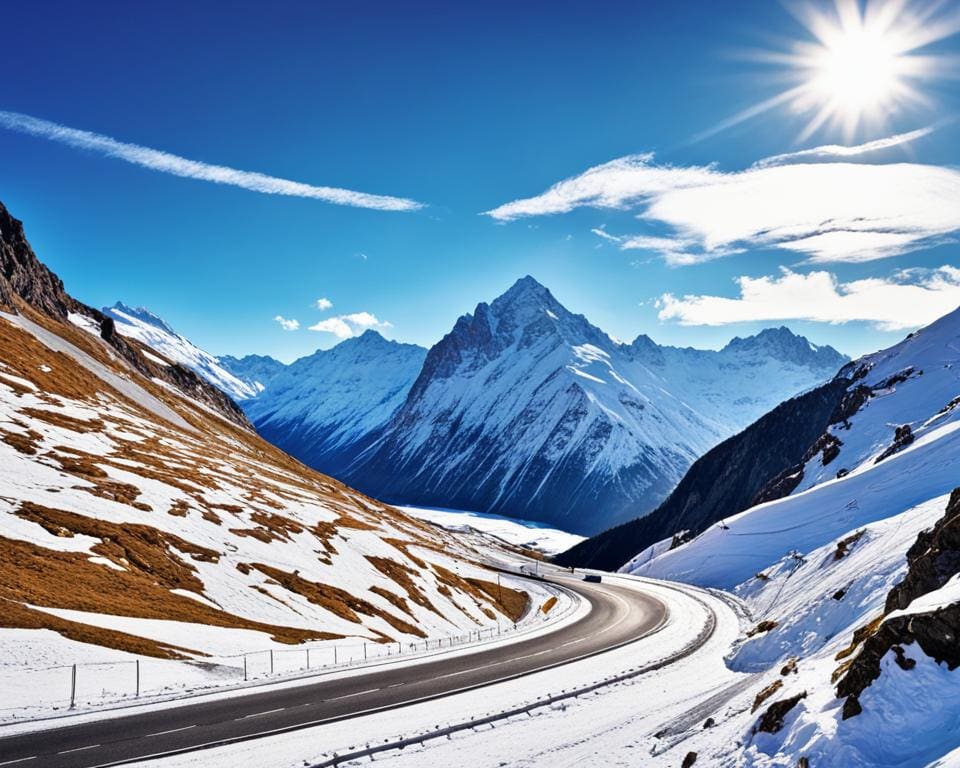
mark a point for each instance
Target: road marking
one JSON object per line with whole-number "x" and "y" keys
{"x": 395, "y": 685}
{"x": 19, "y": 760}
{"x": 351, "y": 695}
{"x": 172, "y": 730}
{"x": 261, "y": 714}
{"x": 78, "y": 749}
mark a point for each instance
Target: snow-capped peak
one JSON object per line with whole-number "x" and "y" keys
{"x": 140, "y": 314}
{"x": 154, "y": 332}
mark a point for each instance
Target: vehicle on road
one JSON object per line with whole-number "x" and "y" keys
{"x": 593, "y": 578}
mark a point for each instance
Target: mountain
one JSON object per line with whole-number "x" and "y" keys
{"x": 526, "y": 409}
{"x": 148, "y": 329}
{"x": 846, "y": 564}
{"x": 256, "y": 371}
{"x": 141, "y": 514}
{"x": 724, "y": 481}
{"x": 327, "y": 407}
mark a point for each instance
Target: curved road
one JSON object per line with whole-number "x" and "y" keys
{"x": 618, "y": 616}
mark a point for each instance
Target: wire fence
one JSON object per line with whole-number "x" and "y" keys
{"x": 29, "y": 692}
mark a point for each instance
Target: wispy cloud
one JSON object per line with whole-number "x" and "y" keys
{"x": 323, "y": 304}
{"x": 346, "y": 326}
{"x": 165, "y": 162}
{"x": 830, "y": 211}
{"x": 287, "y": 325}
{"x": 834, "y": 151}
{"x": 906, "y": 299}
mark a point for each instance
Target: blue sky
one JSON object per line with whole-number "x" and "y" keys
{"x": 465, "y": 110}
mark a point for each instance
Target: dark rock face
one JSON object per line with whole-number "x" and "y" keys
{"x": 933, "y": 560}
{"x": 22, "y": 274}
{"x": 772, "y": 720}
{"x": 723, "y": 482}
{"x": 902, "y": 437}
{"x": 23, "y": 278}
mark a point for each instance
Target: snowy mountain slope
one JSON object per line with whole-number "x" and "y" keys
{"x": 853, "y": 573}
{"x": 528, "y": 410}
{"x": 724, "y": 481}
{"x": 256, "y": 371}
{"x": 137, "y": 517}
{"x": 327, "y": 407}
{"x": 147, "y": 328}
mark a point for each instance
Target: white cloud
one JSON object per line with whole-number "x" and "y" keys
{"x": 323, "y": 304}
{"x": 287, "y": 325}
{"x": 907, "y": 299}
{"x": 346, "y": 326}
{"x": 830, "y": 212}
{"x": 832, "y": 151}
{"x": 165, "y": 162}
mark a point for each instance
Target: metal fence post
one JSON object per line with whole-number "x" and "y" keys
{"x": 334, "y": 655}
{"x": 364, "y": 651}
{"x": 138, "y": 678}
{"x": 73, "y": 686}
{"x": 308, "y": 658}
{"x": 244, "y": 667}
{"x": 271, "y": 661}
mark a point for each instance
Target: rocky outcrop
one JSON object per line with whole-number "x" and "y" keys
{"x": 775, "y": 715}
{"x": 22, "y": 275}
{"x": 933, "y": 560}
{"x": 26, "y": 282}
{"x": 723, "y": 482}
{"x": 902, "y": 437}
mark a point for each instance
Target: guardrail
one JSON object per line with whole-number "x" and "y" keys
{"x": 92, "y": 686}
{"x": 545, "y": 701}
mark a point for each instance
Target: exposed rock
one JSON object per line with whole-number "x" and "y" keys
{"x": 23, "y": 278}
{"x": 709, "y": 723}
{"x": 764, "y": 626}
{"x": 790, "y": 668}
{"x": 689, "y": 760}
{"x": 933, "y": 560}
{"x": 765, "y": 694}
{"x": 771, "y": 721}
{"x": 901, "y": 439}
{"x": 843, "y": 546}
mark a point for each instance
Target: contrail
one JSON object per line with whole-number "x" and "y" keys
{"x": 165, "y": 162}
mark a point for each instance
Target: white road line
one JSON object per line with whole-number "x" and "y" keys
{"x": 78, "y": 749}
{"x": 172, "y": 730}
{"x": 351, "y": 695}
{"x": 395, "y": 685}
{"x": 19, "y": 760}
{"x": 261, "y": 714}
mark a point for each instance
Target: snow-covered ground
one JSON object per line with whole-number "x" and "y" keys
{"x": 818, "y": 565}
{"x": 518, "y": 533}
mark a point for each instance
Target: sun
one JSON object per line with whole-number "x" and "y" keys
{"x": 860, "y": 65}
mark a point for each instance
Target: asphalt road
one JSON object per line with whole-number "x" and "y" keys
{"x": 618, "y": 616}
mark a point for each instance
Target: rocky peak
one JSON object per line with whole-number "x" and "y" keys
{"x": 22, "y": 275}
{"x": 25, "y": 279}
{"x": 140, "y": 313}
{"x": 783, "y": 344}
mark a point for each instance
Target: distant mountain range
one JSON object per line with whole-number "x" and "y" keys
{"x": 523, "y": 409}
